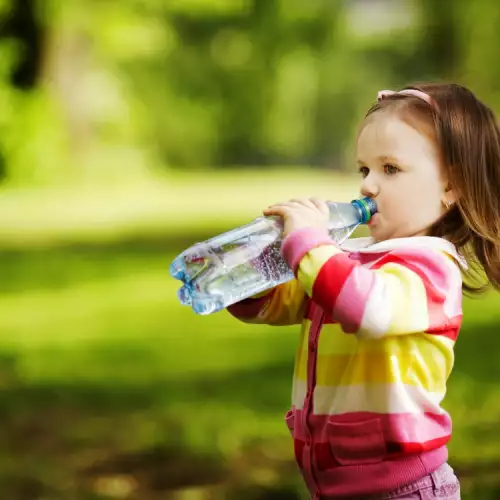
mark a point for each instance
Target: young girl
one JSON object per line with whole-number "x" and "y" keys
{"x": 380, "y": 315}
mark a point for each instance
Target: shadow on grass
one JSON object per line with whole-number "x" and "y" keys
{"x": 120, "y": 438}
{"x": 72, "y": 440}
{"x": 79, "y": 440}
{"x": 477, "y": 350}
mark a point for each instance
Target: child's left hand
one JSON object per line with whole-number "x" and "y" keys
{"x": 301, "y": 213}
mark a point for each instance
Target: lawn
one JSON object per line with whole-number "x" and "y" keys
{"x": 111, "y": 389}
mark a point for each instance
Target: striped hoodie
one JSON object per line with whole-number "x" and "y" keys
{"x": 379, "y": 324}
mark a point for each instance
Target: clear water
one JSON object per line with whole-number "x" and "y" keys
{"x": 245, "y": 261}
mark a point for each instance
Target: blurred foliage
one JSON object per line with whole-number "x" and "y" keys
{"x": 113, "y": 87}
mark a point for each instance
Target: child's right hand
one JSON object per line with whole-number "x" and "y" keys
{"x": 301, "y": 213}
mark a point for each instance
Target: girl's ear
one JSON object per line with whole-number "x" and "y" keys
{"x": 449, "y": 197}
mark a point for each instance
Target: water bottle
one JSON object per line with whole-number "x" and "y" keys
{"x": 247, "y": 260}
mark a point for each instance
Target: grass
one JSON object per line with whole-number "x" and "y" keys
{"x": 111, "y": 389}
{"x": 96, "y": 355}
{"x": 206, "y": 202}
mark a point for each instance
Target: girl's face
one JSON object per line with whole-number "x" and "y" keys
{"x": 402, "y": 173}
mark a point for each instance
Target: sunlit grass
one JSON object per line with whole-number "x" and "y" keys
{"x": 129, "y": 327}
{"x": 94, "y": 337}
{"x": 126, "y": 360}
{"x": 176, "y": 204}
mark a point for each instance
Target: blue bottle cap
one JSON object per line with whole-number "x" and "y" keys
{"x": 367, "y": 208}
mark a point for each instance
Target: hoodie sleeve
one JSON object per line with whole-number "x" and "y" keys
{"x": 410, "y": 290}
{"x": 283, "y": 305}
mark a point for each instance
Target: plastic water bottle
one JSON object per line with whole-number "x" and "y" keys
{"x": 247, "y": 260}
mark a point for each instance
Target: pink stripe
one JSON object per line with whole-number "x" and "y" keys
{"x": 397, "y": 427}
{"x": 351, "y": 302}
{"x": 430, "y": 263}
{"x": 301, "y": 241}
{"x": 369, "y": 259}
{"x": 427, "y": 264}
{"x": 451, "y": 329}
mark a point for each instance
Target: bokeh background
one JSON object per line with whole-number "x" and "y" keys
{"x": 130, "y": 129}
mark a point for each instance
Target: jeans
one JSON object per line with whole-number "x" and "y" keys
{"x": 440, "y": 484}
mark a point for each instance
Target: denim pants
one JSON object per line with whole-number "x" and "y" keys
{"x": 441, "y": 484}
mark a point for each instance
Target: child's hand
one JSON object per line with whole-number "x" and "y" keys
{"x": 301, "y": 213}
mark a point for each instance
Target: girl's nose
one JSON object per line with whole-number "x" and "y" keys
{"x": 369, "y": 187}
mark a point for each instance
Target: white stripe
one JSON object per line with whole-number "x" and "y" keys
{"x": 299, "y": 390}
{"x": 377, "y": 398}
{"x": 378, "y": 311}
{"x": 367, "y": 245}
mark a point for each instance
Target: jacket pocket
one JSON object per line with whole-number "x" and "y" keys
{"x": 357, "y": 443}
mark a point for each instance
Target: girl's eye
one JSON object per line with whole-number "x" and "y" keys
{"x": 364, "y": 171}
{"x": 390, "y": 169}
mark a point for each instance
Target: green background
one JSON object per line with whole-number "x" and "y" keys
{"x": 130, "y": 130}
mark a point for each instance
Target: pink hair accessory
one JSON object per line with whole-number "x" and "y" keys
{"x": 384, "y": 93}
{"x": 411, "y": 92}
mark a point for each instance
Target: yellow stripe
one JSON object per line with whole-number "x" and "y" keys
{"x": 311, "y": 264}
{"x": 413, "y": 360}
{"x": 333, "y": 340}
{"x": 286, "y": 306}
{"x": 306, "y": 326}
{"x": 444, "y": 345}
{"x": 301, "y": 355}
{"x": 407, "y": 297}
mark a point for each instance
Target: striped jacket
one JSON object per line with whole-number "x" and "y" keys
{"x": 379, "y": 324}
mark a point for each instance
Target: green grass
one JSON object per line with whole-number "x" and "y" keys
{"x": 99, "y": 350}
{"x": 201, "y": 203}
{"x": 104, "y": 364}
{"x": 111, "y": 389}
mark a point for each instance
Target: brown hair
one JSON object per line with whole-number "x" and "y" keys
{"x": 468, "y": 141}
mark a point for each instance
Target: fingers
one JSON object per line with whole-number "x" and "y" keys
{"x": 312, "y": 203}
{"x": 281, "y": 208}
{"x": 321, "y": 206}
{"x": 305, "y": 202}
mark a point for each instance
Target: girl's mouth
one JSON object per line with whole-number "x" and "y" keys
{"x": 374, "y": 219}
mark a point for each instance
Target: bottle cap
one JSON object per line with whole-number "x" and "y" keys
{"x": 367, "y": 207}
